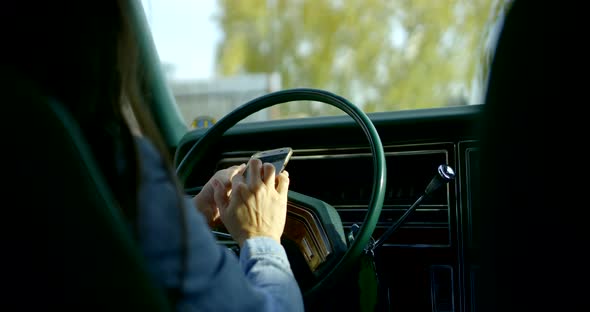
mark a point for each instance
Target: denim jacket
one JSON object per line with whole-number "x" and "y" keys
{"x": 215, "y": 279}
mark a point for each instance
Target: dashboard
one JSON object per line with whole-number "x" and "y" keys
{"x": 429, "y": 263}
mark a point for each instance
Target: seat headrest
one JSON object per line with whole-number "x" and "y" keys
{"x": 68, "y": 245}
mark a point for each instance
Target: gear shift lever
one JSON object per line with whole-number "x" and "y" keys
{"x": 443, "y": 176}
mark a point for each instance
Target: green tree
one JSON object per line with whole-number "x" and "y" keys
{"x": 382, "y": 54}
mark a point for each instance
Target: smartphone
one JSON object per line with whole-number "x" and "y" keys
{"x": 278, "y": 157}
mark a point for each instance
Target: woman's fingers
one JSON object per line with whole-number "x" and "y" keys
{"x": 233, "y": 170}
{"x": 225, "y": 176}
{"x": 283, "y": 182}
{"x": 253, "y": 209}
{"x": 268, "y": 175}
{"x": 254, "y": 174}
{"x": 219, "y": 194}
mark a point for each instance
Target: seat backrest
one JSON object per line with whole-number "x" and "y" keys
{"x": 533, "y": 223}
{"x": 67, "y": 245}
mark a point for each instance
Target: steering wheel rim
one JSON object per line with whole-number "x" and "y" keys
{"x": 354, "y": 251}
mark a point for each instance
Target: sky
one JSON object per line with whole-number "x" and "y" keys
{"x": 185, "y": 35}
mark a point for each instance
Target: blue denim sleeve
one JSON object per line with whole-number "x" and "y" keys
{"x": 265, "y": 263}
{"x": 214, "y": 279}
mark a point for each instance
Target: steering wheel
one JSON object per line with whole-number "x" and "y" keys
{"x": 356, "y": 247}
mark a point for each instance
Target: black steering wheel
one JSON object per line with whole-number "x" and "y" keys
{"x": 196, "y": 153}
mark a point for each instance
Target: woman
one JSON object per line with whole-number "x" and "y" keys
{"x": 84, "y": 55}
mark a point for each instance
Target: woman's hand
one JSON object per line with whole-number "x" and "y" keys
{"x": 205, "y": 200}
{"x": 256, "y": 207}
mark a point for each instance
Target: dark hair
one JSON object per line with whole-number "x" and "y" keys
{"x": 84, "y": 54}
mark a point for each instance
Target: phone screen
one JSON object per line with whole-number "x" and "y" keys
{"x": 278, "y": 161}
{"x": 277, "y": 157}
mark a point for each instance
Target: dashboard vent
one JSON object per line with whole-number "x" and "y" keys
{"x": 343, "y": 179}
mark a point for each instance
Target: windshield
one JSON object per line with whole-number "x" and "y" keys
{"x": 382, "y": 55}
